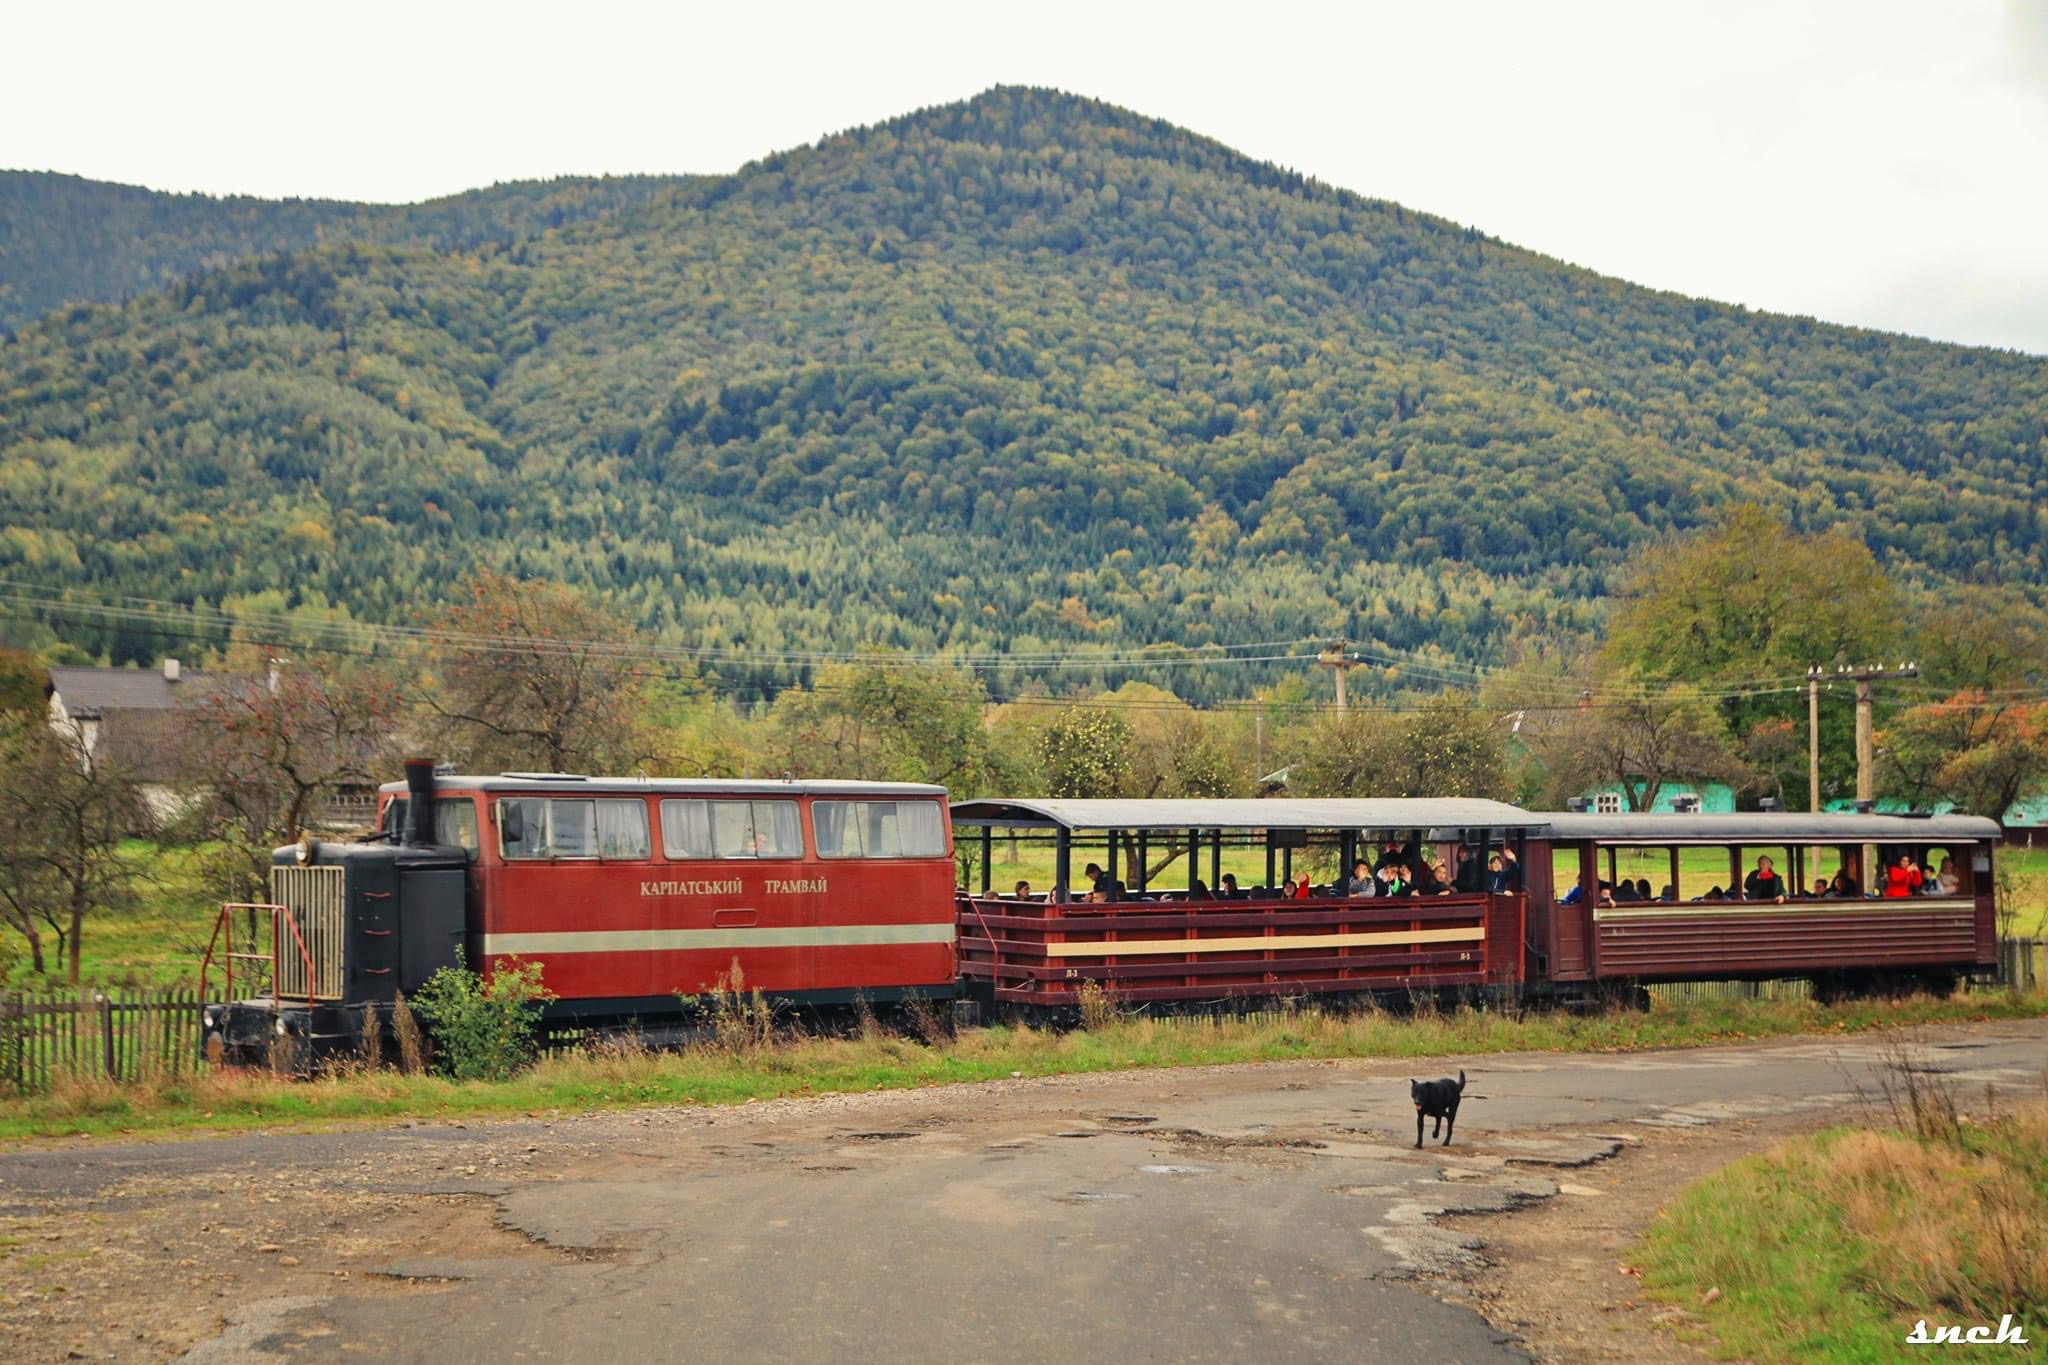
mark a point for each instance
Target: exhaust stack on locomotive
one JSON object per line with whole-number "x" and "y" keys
{"x": 419, "y": 810}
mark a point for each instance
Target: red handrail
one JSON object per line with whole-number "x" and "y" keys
{"x": 228, "y": 956}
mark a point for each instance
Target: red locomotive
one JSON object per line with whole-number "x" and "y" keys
{"x": 630, "y": 894}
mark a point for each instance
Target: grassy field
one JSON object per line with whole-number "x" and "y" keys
{"x": 881, "y": 1060}
{"x": 1833, "y": 1248}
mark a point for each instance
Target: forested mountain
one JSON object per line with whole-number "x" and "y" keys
{"x": 68, "y": 240}
{"x": 1025, "y": 373}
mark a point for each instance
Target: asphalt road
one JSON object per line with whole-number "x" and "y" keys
{"x": 1266, "y": 1213}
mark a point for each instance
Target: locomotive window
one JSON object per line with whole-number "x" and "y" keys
{"x": 879, "y": 829}
{"x": 731, "y": 829}
{"x": 454, "y": 821}
{"x": 541, "y": 828}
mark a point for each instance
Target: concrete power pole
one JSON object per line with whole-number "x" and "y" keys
{"x": 1813, "y": 738}
{"x": 1866, "y": 757}
{"x": 1332, "y": 658}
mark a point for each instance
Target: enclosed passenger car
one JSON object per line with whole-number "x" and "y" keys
{"x": 631, "y": 895}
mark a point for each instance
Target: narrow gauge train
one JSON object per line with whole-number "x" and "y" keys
{"x": 636, "y": 894}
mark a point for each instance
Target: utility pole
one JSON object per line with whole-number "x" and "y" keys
{"x": 1813, "y": 738}
{"x": 1864, "y": 678}
{"x": 1332, "y": 658}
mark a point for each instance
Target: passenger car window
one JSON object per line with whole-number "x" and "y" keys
{"x": 731, "y": 829}
{"x": 879, "y": 829}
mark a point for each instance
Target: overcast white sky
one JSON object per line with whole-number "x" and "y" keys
{"x": 1882, "y": 162}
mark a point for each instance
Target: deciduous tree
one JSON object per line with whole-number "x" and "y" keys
{"x": 1447, "y": 747}
{"x": 533, "y": 674}
{"x": 60, "y": 860}
{"x": 1640, "y": 742}
{"x": 887, "y": 721}
{"x": 262, "y": 752}
{"x": 1744, "y": 608}
{"x": 1972, "y": 749}
{"x": 1087, "y": 751}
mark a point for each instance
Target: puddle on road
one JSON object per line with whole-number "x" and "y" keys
{"x": 1091, "y": 1197}
{"x": 1178, "y": 1170}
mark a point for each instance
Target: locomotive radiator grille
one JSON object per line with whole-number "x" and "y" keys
{"x": 317, "y": 898}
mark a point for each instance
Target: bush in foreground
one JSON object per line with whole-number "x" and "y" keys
{"x": 483, "y": 1029}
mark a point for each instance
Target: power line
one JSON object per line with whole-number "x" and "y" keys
{"x": 145, "y": 611}
{"x": 174, "y": 620}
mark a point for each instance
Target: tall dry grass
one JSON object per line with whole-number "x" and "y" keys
{"x": 1832, "y": 1247}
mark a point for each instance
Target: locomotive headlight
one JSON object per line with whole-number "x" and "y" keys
{"x": 308, "y": 846}
{"x": 280, "y": 1028}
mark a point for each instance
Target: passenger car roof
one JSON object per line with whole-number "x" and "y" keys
{"x": 1280, "y": 812}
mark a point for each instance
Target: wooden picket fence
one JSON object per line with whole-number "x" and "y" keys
{"x": 121, "y": 1035}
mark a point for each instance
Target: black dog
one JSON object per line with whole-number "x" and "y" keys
{"x": 1437, "y": 1100}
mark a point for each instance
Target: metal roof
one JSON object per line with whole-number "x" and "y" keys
{"x": 1796, "y": 827}
{"x": 1271, "y": 813}
{"x": 87, "y": 691}
{"x": 576, "y": 783}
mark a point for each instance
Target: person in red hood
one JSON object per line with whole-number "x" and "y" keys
{"x": 1902, "y": 878}
{"x": 1302, "y": 891}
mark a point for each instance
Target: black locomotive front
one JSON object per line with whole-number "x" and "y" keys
{"x": 373, "y": 919}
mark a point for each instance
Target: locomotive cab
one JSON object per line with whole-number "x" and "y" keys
{"x": 352, "y": 925}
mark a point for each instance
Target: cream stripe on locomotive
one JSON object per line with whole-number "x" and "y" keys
{"x": 686, "y": 940}
{"x": 1131, "y": 947}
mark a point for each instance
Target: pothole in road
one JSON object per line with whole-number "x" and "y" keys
{"x": 1216, "y": 1142}
{"x": 1130, "y": 1120}
{"x": 878, "y": 1137}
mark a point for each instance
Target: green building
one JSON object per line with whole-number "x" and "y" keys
{"x": 1691, "y": 798}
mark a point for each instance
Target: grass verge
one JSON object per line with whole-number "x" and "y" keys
{"x": 735, "y": 1072}
{"x": 1833, "y": 1248}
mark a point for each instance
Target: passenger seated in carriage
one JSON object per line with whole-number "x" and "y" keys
{"x": 1764, "y": 883}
